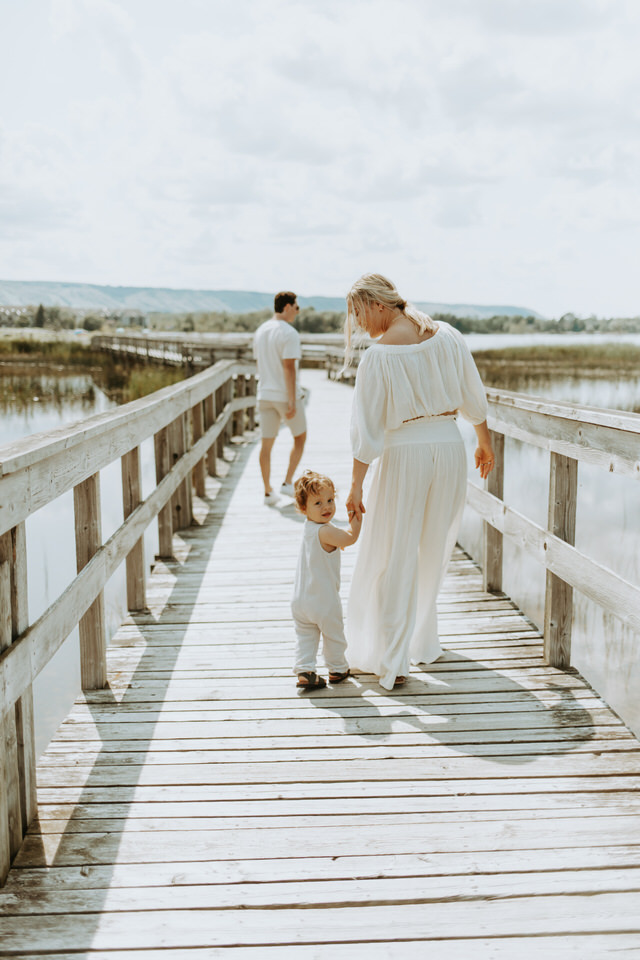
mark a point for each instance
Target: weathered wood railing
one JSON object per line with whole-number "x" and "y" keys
{"x": 608, "y": 438}
{"x": 190, "y": 423}
{"x": 193, "y": 352}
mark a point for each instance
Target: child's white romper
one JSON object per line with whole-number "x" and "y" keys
{"x": 316, "y": 606}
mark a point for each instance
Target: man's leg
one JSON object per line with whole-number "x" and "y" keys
{"x": 296, "y": 456}
{"x": 265, "y": 462}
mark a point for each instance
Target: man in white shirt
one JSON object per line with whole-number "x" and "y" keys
{"x": 276, "y": 348}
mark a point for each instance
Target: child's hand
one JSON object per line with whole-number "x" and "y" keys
{"x": 355, "y": 521}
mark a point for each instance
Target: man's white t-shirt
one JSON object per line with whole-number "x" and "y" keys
{"x": 275, "y": 341}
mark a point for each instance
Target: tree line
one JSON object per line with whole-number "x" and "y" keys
{"x": 309, "y": 320}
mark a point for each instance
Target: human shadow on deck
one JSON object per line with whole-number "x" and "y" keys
{"x": 472, "y": 710}
{"x": 110, "y": 779}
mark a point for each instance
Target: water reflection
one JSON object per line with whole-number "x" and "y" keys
{"x": 30, "y": 390}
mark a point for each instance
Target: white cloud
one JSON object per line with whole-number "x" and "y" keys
{"x": 475, "y": 150}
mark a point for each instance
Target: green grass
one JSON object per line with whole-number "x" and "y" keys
{"x": 122, "y": 382}
{"x": 607, "y": 356}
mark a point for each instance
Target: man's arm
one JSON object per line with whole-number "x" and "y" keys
{"x": 289, "y": 369}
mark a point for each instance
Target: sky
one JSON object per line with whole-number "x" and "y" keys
{"x": 475, "y": 151}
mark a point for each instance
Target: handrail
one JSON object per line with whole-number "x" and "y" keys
{"x": 190, "y": 423}
{"x": 193, "y": 352}
{"x": 571, "y": 433}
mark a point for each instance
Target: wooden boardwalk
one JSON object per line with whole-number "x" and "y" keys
{"x": 201, "y": 808}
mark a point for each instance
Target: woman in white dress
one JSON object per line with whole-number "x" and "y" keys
{"x": 410, "y": 385}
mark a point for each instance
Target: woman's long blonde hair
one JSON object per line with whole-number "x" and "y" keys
{"x": 374, "y": 288}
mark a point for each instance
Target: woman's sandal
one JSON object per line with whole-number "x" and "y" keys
{"x": 339, "y": 677}
{"x": 399, "y": 681}
{"x": 313, "y": 681}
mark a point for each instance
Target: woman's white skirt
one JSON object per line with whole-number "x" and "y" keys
{"x": 413, "y": 514}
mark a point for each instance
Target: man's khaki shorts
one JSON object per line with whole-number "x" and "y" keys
{"x": 273, "y": 414}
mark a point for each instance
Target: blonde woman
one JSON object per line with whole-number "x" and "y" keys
{"x": 410, "y": 385}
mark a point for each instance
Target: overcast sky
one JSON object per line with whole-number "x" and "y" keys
{"x": 476, "y": 151}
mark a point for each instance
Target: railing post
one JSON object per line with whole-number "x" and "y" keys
{"x": 25, "y": 722}
{"x": 165, "y": 516}
{"x": 238, "y": 417}
{"x": 251, "y": 411}
{"x": 93, "y": 637}
{"x": 228, "y": 397}
{"x": 186, "y": 483}
{"x": 181, "y": 500}
{"x": 492, "y": 539}
{"x": 558, "y": 600}
{"x": 10, "y": 815}
{"x": 209, "y": 420}
{"x": 199, "y": 471}
{"x": 220, "y": 401}
{"x": 131, "y": 497}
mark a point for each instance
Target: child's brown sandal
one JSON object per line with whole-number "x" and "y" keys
{"x": 312, "y": 681}
{"x": 339, "y": 677}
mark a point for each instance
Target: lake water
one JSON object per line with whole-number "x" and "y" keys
{"x": 608, "y": 521}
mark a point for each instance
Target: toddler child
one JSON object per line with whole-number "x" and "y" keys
{"x": 316, "y": 605}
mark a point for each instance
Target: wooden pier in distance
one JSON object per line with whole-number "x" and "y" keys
{"x": 200, "y": 807}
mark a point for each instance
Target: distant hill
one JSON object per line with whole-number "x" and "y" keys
{"x": 89, "y": 296}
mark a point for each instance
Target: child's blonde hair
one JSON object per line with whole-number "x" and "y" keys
{"x": 309, "y": 483}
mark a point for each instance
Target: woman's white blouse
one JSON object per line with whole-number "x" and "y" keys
{"x": 395, "y": 383}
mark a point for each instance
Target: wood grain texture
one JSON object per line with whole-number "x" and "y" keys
{"x": 93, "y": 636}
{"x": 558, "y": 603}
{"x": 492, "y": 545}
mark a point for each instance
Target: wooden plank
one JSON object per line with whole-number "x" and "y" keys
{"x": 519, "y": 916}
{"x": 9, "y": 791}
{"x": 492, "y": 538}
{"x": 540, "y": 947}
{"x": 25, "y": 718}
{"x": 209, "y": 420}
{"x": 607, "y": 438}
{"x": 131, "y": 498}
{"x": 165, "y": 514}
{"x": 157, "y": 846}
{"x": 327, "y": 894}
{"x": 558, "y": 603}
{"x": 93, "y": 637}
{"x": 566, "y": 763}
{"x": 180, "y": 504}
{"x": 199, "y": 471}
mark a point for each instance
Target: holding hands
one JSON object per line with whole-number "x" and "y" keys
{"x": 355, "y": 506}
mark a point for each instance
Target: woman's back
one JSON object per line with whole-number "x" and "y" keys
{"x": 399, "y": 382}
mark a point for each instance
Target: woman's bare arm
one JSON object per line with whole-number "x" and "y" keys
{"x": 484, "y": 456}
{"x": 355, "y": 506}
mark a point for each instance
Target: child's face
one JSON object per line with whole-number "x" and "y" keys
{"x": 321, "y": 506}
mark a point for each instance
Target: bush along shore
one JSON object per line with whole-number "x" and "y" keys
{"x": 40, "y": 361}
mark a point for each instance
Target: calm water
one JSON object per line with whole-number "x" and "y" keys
{"x": 608, "y": 520}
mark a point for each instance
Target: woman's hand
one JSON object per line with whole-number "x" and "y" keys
{"x": 355, "y": 506}
{"x": 485, "y": 459}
